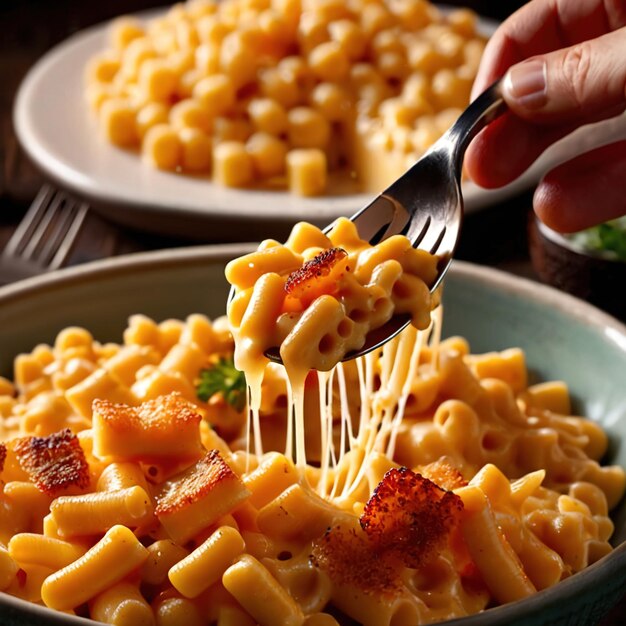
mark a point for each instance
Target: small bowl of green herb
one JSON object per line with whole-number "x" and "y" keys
{"x": 590, "y": 264}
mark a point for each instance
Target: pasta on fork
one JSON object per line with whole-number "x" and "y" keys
{"x": 151, "y": 482}
{"x": 317, "y": 297}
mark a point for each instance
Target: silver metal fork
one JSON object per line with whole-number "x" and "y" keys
{"x": 425, "y": 204}
{"x": 44, "y": 238}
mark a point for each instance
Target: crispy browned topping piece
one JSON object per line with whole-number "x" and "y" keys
{"x": 348, "y": 556}
{"x": 194, "y": 483}
{"x": 55, "y": 462}
{"x": 306, "y": 279}
{"x": 407, "y": 519}
{"x": 3, "y": 455}
{"x": 444, "y": 474}
{"x": 410, "y": 516}
{"x": 162, "y": 413}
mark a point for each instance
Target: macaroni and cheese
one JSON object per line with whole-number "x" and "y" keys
{"x": 316, "y": 298}
{"x": 417, "y": 484}
{"x": 284, "y": 93}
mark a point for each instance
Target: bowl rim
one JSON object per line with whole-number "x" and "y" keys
{"x": 503, "y": 281}
{"x": 600, "y": 572}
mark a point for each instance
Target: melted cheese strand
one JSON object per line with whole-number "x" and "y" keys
{"x": 328, "y": 460}
{"x": 344, "y": 412}
{"x": 322, "y": 390}
{"x": 290, "y": 420}
{"x": 334, "y": 457}
{"x": 381, "y": 413}
{"x": 298, "y": 400}
{"x": 248, "y": 412}
{"x": 331, "y": 418}
{"x": 254, "y": 369}
{"x": 364, "y": 409}
{"x": 346, "y": 415}
{"x": 436, "y": 323}
{"x": 256, "y": 424}
{"x": 363, "y": 448}
{"x": 404, "y": 369}
{"x": 420, "y": 339}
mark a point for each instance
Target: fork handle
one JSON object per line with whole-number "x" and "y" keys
{"x": 488, "y": 106}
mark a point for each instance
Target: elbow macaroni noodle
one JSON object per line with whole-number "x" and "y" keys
{"x": 253, "y": 91}
{"x": 150, "y": 508}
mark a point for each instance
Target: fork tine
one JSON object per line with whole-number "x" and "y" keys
{"x": 29, "y": 223}
{"x": 41, "y": 232}
{"x": 61, "y": 219}
{"x": 401, "y": 221}
{"x": 435, "y": 246}
{"x": 373, "y": 219}
{"x": 417, "y": 239}
{"x": 76, "y": 217}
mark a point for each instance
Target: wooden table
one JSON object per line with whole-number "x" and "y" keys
{"x": 496, "y": 236}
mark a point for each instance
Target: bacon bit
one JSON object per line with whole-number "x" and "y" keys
{"x": 55, "y": 462}
{"x": 195, "y": 483}
{"x": 349, "y": 558}
{"x": 163, "y": 413}
{"x": 314, "y": 278}
{"x": 3, "y": 455}
{"x": 443, "y": 474}
{"x": 410, "y": 516}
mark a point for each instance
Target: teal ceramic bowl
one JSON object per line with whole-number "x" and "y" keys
{"x": 563, "y": 338}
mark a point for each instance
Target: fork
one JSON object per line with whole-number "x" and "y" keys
{"x": 425, "y": 204}
{"x": 44, "y": 238}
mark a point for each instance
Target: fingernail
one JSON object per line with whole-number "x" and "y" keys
{"x": 526, "y": 83}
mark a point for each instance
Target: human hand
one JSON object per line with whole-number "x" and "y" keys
{"x": 564, "y": 65}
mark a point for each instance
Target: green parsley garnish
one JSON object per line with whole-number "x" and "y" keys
{"x": 223, "y": 377}
{"x": 609, "y": 237}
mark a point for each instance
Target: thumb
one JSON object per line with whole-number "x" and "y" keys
{"x": 582, "y": 83}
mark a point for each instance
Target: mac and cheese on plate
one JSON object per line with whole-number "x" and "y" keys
{"x": 285, "y": 93}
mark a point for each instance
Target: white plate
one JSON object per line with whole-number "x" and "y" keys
{"x": 59, "y": 132}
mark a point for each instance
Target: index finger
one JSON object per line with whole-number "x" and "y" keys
{"x": 543, "y": 26}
